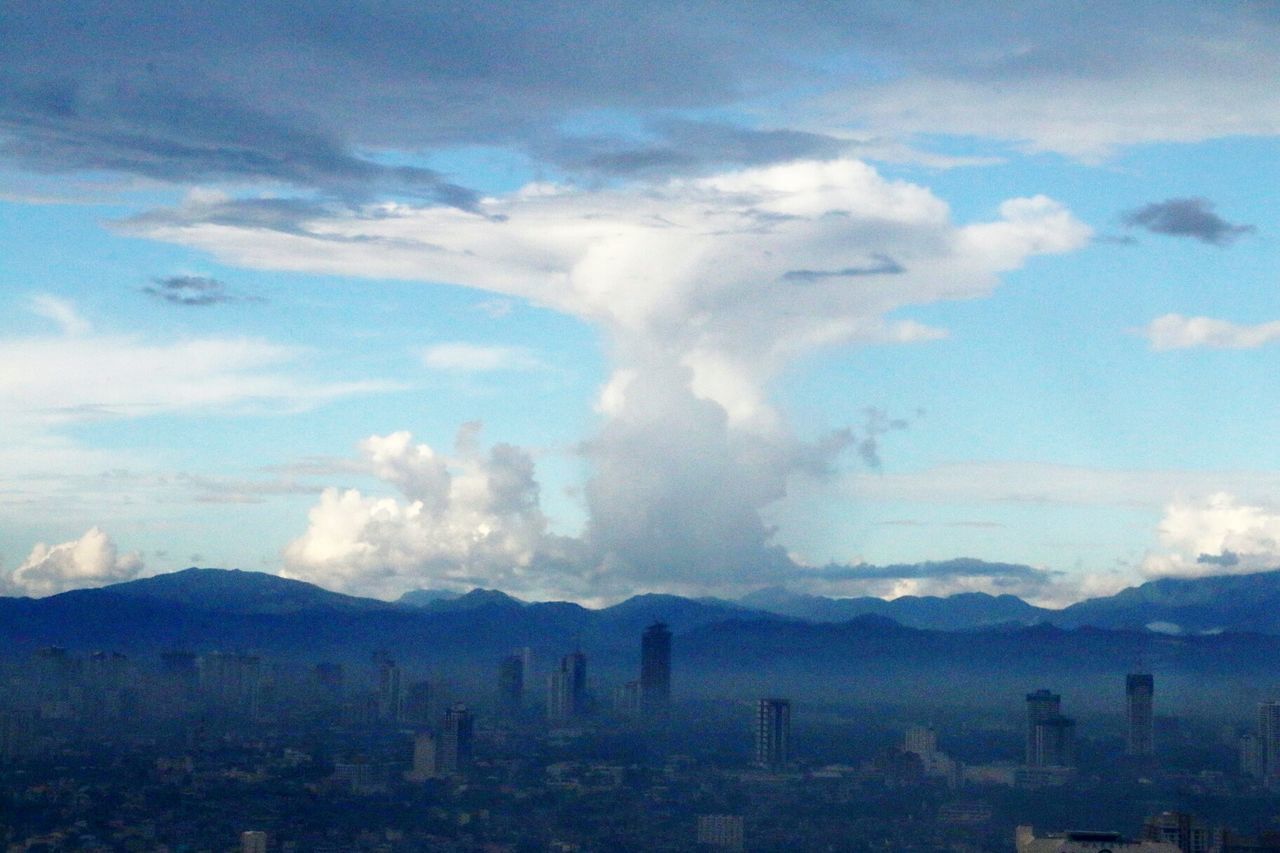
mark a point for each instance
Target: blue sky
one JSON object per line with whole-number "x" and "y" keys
{"x": 588, "y": 302}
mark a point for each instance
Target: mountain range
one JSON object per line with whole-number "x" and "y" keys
{"x": 1218, "y": 630}
{"x": 1227, "y": 603}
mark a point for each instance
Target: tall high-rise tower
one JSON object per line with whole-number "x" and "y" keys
{"x": 511, "y": 680}
{"x": 655, "y": 668}
{"x": 567, "y": 688}
{"x": 576, "y": 665}
{"x": 1139, "y": 690}
{"x": 390, "y": 695}
{"x": 455, "y": 740}
{"x": 1269, "y": 740}
{"x": 1055, "y": 743}
{"x": 1050, "y": 736}
{"x": 773, "y": 733}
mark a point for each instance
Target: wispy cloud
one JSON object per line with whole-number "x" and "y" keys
{"x": 1174, "y": 331}
{"x": 61, "y": 311}
{"x": 462, "y": 357}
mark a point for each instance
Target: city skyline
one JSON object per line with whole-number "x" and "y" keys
{"x": 391, "y": 298}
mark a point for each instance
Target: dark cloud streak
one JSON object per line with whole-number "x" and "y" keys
{"x": 1186, "y": 217}
{"x": 958, "y": 568}
{"x": 880, "y": 264}
{"x": 684, "y": 147}
{"x": 193, "y": 290}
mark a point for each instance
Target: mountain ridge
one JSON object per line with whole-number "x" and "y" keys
{"x": 1235, "y": 603}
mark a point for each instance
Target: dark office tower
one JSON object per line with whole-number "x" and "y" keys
{"x": 390, "y": 695}
{"x": 1139, "y": 690}
{"x": 1269, "y": 740}
{"x": 1055, "y": 743}
{"x": 417, "y": 704}
{"x": 329, "y": 677}
{"x": 773, "y": 733}
{"x": 655, "y": 668}
{"x": 576, "y": 665}
{"x": 567, "y": 688}
{"x": 1041, "y": 705}
{"x": 455, "y": 740}
{"x": 511, "y": 684}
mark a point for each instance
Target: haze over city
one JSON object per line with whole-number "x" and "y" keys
{"x": 584, "y": 301}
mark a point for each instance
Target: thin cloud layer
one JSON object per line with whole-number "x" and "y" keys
{"x": 1174, "y": 331}
{"x": 463, "y": 357}
{"x": 90, "y": 561}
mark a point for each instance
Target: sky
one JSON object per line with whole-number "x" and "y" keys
{"x": 585, "y": 300}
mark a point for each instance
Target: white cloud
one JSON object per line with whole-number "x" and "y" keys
{"x": 50, "y": 380}
{"x": 695, "y": 270}
{"x": 462, "y": 357}
{"x": 61, "y": 311}
{"x": 471, "y": 519}
{"x": 1220, "y": 534}
{"x": 706, "y": 288}
{"x": 1174, "y": 331}
{"x": 92, "y": 560}
{"x": 55, "y": 379}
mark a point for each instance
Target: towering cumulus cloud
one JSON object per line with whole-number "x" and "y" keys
{"x": 471, "y": 518}
{"x": 706, "y": 288}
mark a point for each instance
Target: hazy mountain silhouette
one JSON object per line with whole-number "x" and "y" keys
{"x": 1195, "y": 605}
{"x": 960, "y": 612}
{"x": 230, "y": 591}
{"x": 440, "y": 600}
{"x": 722, "y": 648}
{"x": 423, "y": 597}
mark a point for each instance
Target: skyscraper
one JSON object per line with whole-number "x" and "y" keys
{"x": 1269, "y": 740}
{"x": 559, "y": 696}
{"x": 773, "y": 733}
{"x": 425, "y": 757}
{"x": 390, "y": 695}
{"x": 1041, "y": 705}
{"x": 567, "y": 688}
{"x": 1055, "y": 743}
{"x": 922, "y": 740}
{"x": 511, "y": 678}
{"x": 455, "y": 740}
{"x": 1139, "y": 690}
{"x": 655, "y": 668}
{"x": 576, "y": 665}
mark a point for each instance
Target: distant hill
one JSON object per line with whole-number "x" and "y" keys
{"x": 962, "y": 612}
{"x": 231, "y": 591}
{"x": 424, "y": 597}
{"x": 470, "y": 601}
{"x": 1193, "y": 605}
